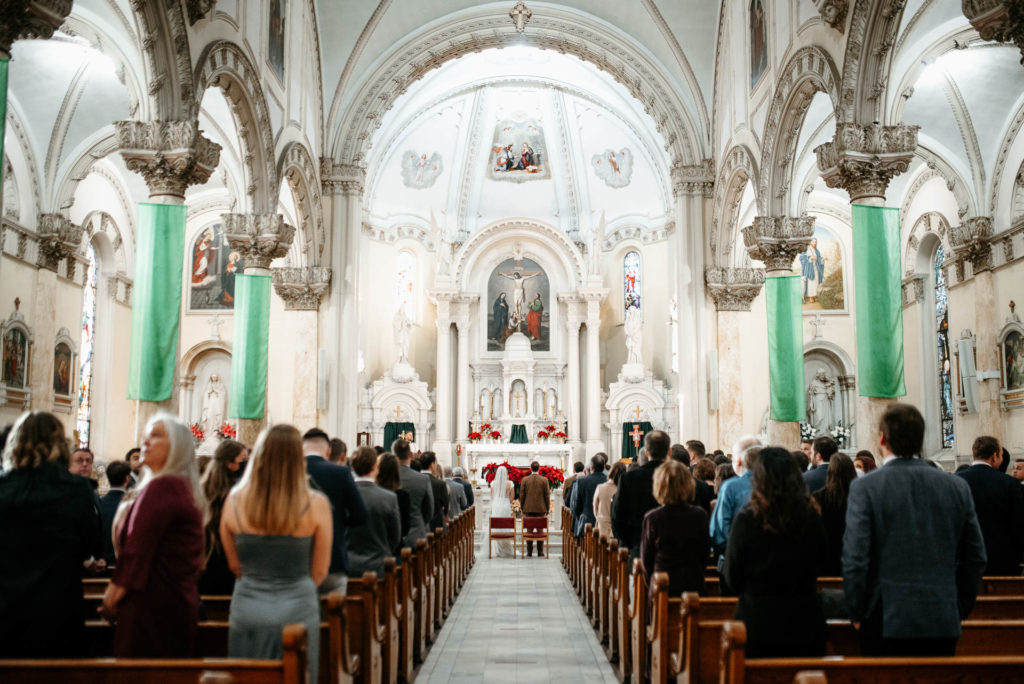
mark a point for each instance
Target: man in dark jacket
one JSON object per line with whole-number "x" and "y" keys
{"x": 460, "y": 477}
{"x": 582, "y": 503}
{"x": 821, "y": 453}
{"x": 118, "y": 473}
{"x": 635, "y": 494}
{"x": 999, "y": 502}
{"x": 577, "y": 472}
{"x": 438, "y": 488}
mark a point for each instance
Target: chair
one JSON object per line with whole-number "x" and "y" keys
{"x": 501, "y": 528}
{"x": 536, "y": 529}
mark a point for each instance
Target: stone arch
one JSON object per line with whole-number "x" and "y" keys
{"x": 226, "y": 66}
{"x": 296, "y": 167}
{"x": 868, "y": 59}
{"x": 929, "y": 230}
{"x": 477, "y": 30}
{"x": 100, "y": 227}
{"x": 809, "y": 71}
{"x": 738, "y": 168}
{"x": 100, "y": 145}
{"x": 168, "y": 60}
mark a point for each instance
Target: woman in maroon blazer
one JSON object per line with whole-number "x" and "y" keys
{"x": 675, "y": 535}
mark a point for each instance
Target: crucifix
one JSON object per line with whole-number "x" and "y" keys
{"x": 520, "y": 15}
{"x": 215, "y": 322}
{"x": 398, "y": 413}
{"x": 818, "y": 325}
{"x": 636, "y": 411}
{"x": 636, "y": 434}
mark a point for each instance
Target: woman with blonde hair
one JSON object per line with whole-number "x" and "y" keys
{"x": 276, "y": 533}
{"x": 158, "y": 536}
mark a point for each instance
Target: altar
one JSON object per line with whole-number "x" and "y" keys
{"x": 549, "y": 454}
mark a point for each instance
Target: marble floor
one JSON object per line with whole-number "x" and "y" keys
{"x": 516, "y": 621}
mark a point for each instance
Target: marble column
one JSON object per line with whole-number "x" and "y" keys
{"x": 170, "y": 156}
{"x": 862, "y": 159}
{"x": 58, "y": 240}
{"x": 971, "y": 242}
{"x": 733, "y": 290}
{"x": 302, "y": 289}
{"x": 462, "y": 381}
{"x": 595, "y": 442}
{"x": 572, "y": 411}
{"x": 777, "y": 241}
{"x": 442, "y": 385}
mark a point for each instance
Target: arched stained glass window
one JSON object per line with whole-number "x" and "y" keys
{"x": 87, "y": 343}
{"x": 631, "y": 280}
{"x": 405, "y": 281}
{"x": 942, "y": 340}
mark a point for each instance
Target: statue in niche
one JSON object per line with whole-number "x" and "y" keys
{"x": 634, "y": 336}
{"x": 402, "y": 325}
{"x": 215, "y": 405}
{"x": 821, "y": 396}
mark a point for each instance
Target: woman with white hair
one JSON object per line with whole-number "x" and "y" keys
{"x": 158, "y": 535}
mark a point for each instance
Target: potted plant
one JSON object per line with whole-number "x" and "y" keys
{"x": 542, "y": 436}
{"x": 225, "y": 431}
{"x": 495, "y": 436}
{"x": 197, "y": 433}
{"x": 561, "y": 437}
{"x": 475, "y": 437}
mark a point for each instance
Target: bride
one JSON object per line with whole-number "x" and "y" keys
{"x": 501, "y": 507}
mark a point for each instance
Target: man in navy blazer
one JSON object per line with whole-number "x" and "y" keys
{"x": 913, "y": 554}
{"x": 999, "y": 501}
{"x": 118, "y": 473}
{"x": 822, "y": 449}
{"x": 582, "y": 499}
{"x": 336, "y": 482}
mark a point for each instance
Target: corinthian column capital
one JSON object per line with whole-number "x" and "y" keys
{"x": 863, "y": 158}
{"x": 260, "y": 238}
{"x": 971, "y": 240}
{"x": 170, "y": 155}
{"x": 733, "y": 289}
{"x": 302, "y": 288}
{"x": 58, "y": 239}
{"x": 30, "y": 19}
{"x": 777, "y": 240}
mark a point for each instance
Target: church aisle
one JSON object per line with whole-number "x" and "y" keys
{"x": 517, "y": 621}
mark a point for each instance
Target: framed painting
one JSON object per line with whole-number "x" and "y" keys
{"x": 15, "y": 358}
{"x": 276, "y": 34}
{"x": 822, "y": 279}
{"x": 518, "y": 152}
{"x": 63, "y": 369}
{"x": 758, "y": 42}
{"x": 212, "y": 270}
{"x": 519, "y": 296}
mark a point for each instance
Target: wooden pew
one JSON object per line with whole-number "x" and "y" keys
{"x": 292, "y": 669}
{"x": 611, "y": 643}
{"x": 406, "y": 618}
{"x": 737, "y": 670}
{"x": 622, "y": 615}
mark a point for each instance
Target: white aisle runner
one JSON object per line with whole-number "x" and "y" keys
{"x": 517, "y": 621}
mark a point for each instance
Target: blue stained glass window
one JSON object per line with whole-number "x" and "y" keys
{"x": 86, "y": 345}
{"x": 942, "y": 341}
{"x": 631, "y": 280}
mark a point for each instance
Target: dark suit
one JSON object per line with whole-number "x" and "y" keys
{"x": 999, "y": 503}
{"x": 469, "y": 490}
{"x": 380, "y": 537}
{"x": 675, "y": 540}
{"x": 567, "y": 487}
{"x": 913, "y": 558}
{"x": 634, "y": 497}
{"x": 108, "y": 507}
{"x": 582, "y": 502}
{"x": 347, "y": 509}
{"x": 815, "y": 477}
{"x": 703, "y": 495}
{"x": 421, "y": 503}
{"x": 440, "y": 491}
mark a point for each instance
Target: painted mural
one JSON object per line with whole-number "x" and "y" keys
{"x": 518, "y": 152}
{"x": 820, "y": 268}
{"x": 212, "y": 270}
{"x": 519, "y": 296}
{"x": 614, "y": 168}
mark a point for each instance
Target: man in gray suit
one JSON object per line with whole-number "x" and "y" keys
{"x": 913, "y": 554}
{"x": 456, "y": 495}
{"x": 381, "y": 536}
{"x": 460, "y": 477}
{"x": 421, "y": 496}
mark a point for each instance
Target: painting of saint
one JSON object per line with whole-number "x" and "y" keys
{"x": 1013, "y": 356}
{"x": 758, "y": 42}
{"x": 614, "y": 168}
{"x": 212, "y": 270}
{"x": 420, "y": 171}
{"x": 62, "y": 370}
{"x": 519, "y": 292}
{"x": 275, "y": 47}
{"x": 15, "y": 359}
{"x": 518, "y": 152}
{"x": 820, "y": 268}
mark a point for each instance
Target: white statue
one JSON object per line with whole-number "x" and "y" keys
{"x": 215, "y": 405}
{"x": 821, "y": 394}
{"x": 442, "y": 246}
{"x": 594, "y": 247}
{"x": 634, "y": 336}
{"x": 402, "y": 326}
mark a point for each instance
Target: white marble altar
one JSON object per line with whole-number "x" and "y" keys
{"x": 559, "y": 455}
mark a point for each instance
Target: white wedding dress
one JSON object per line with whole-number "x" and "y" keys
{"x": 501, "y": 507}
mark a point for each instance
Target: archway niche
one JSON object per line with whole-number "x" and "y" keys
{"x": 830, "y": 386}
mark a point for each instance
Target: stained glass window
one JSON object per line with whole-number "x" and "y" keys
{"x": 631, "y": 280}
{"x": 86, "y": 345}
{"x": 942, "y": 340}
{"x": 405, "y": 281}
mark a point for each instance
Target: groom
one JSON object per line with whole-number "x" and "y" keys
{"x": 535, "y": 500}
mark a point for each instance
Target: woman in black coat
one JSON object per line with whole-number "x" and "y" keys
{"x": 831, "y": 500}
{"x": 675, "y": 535}
{"x": 775, "y": 550}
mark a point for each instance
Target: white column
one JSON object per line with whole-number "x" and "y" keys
{"x": 594, "y": 441}
{"x": 462, "y": 382}
{"x": 572, "y": 409}
{"x": 443, "y": 390}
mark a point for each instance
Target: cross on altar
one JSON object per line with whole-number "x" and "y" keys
{"x": 636, "y": 412}
{"x": 398, "y": 412}
{"x": 636, "y": 434}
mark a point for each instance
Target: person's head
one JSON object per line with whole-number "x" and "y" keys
{"x": 427, "y": 461}
{"x": 838, "y": 478}
{"x": 169, "y": 449}
{"x": 458, "y": 472}
{"x": 81, "y": 462}
{"x": 1006, "y": 461}
{"x": 274, "y": 491}
{"x": 864, "y": 462}
{"x": 678, "y": 452}
{"x": 723, "y": 472}
{"x": 673, "y": 483}
{"x": 801, "y": 459}
{"x": 577, "y": 467}
{"x": 387, "y": 472}
{"x": 534, "y": 467}
{"x": 696, "y": 449}
{"x": 598, "y": 462}
{"x": 806, "y": 446}
{"x": 721, "y": 458}
{"x": 363, "y": 461}
{"x": 134, "y": 459}
{"x": 449, "y": 472}
{"x": 339, "y": 452}
{"x": 704, "y": 469}
{"x": 316, "y": 443}
{"x": 822, "y": 450}
{"x": 741, "y": 451}
{"x": 901, "y": 431}
{"x": 117, "y": 474}
{"x": 657, "y": 444}
{"x": 778, "y": 493}
{"x": 985, "y": 450}
{"x": 1018, "y": 469}
{"x": 379, "y": 449}
{"x": 223, "y": 472}
{"x": 416, "y": 464}
{"x": 400, "y": 448}
{"x": 232, "y": 456}
{"x": 616, "y": 472}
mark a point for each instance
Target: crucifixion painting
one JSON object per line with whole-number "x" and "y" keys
{"x": 519, "y": 293}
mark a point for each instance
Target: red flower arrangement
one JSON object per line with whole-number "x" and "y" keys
{"x": 542, "y": 434}
{"x": 515, "y": 473}
{"x": 225, "y": 431}
{"x": 550, "y": 428}
{"x": 495, "y": 435}
{"x": 197, "y": 432}
{"x": 560, "y": 435}
{"x": 475, "y": 436}
{"x": 485, "y": 428}
{"x": 553, "y": 475}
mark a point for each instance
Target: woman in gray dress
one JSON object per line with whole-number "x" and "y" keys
{"x": 276, "y": 533}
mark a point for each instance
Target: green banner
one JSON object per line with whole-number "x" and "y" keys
{"x": 630, "y": 447}
{"x": 156, "y": 300}
{"x": 250, "y": 347}
{"x": 3, "y": 113}
{"x": 786, "y": 348}
{"x": 879, "y": 282}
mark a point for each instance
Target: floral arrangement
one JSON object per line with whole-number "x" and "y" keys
{"x": 841, "y": 434}
{"x": 550, "y": 429}
{"x": 543, "y": 434}
{"x": 225, "y": 431}
{"x": 553, "y": 475}
{"x": 475, "y": 436}
{"x": 485, "y": 428}
{"x": 560, "y": 435}
{"x": 495, "y": 434}
{"x": 515, "y": 474}
{"x": 197, "y": 432}
{"x": 806, "y": 431}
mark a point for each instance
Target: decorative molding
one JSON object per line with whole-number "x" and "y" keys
{"x": 341, "y": 179}
{"x": 776, "y": 241}
{"x": 913, "y": 289}
{"x": 301, "y": 288}
{"x": 972, "y": 241}
{"x": 863, "y": 158}
{"x": 647, "y": 236}
{"x": 558, "y": 240}
{"x": 402, "y": 231}
{"x": 833, "y": 12}
{"x": 301, "y": 173}
{"x": 119, "y": 289}
{"x": 170, "y": 155}
{"x": 165, "y": 44}
{"x": 197, "y": 9}
{"x": 866, "y": 63}
{"x": 739, "y": 167}
{"x": 58, "y": 240}
{"x": 733, "y": 289}
{"x": 30, "y": 19}
{"x": 998, "y": 20}
{"x": 260, "y": 238}
{"x": 1005, "y": 145}
{"x": 698, "y": 179}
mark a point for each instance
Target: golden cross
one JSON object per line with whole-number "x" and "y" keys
{"x": 636, "y": 411}
{"x": 636, "y": 434}
{"x": 398, "y": 412}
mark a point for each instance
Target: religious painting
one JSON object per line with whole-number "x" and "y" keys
{"x": 62, "y": 371}
{"x": 275, "y": 46}
{"x": 1013, "y": 360}
{"x": 212, "y": 270}
{"x": 15, "y": 371}
{"x": 420, "y": 171}
{"x": 614, "y": 168}
{"x": 820, "y": 268}
{"x": 519, "y": 294}
{"x": 518, "y": 152}
{"x": 758, "y": 42}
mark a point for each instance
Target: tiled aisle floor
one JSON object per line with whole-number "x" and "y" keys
{"x": 517, "y": 621}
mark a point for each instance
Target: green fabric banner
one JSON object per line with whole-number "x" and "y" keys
{"x": 786, "y": 348}
{"x": 631, "y": 449}
{"x": 879, "y": 283}
{"x": 3, "y": 112}
{"x": 156, "y": 301}
{"x": 519, "y": 435}
{"x": 250, "y": 347}
{"x": 392, "y": 430}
